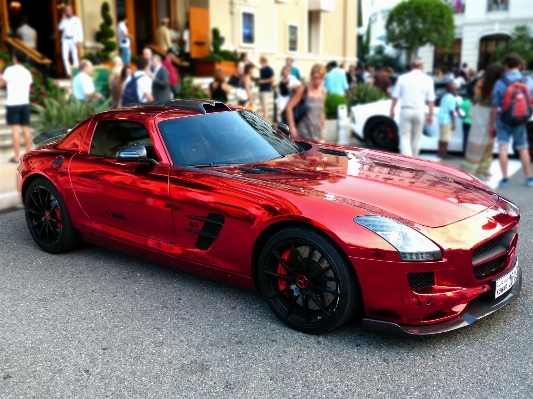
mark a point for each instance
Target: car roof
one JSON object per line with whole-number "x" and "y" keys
{"x": 199, "y": 106}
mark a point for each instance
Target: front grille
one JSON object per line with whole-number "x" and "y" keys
{"x": 487, "y": 247}
{"x": 490, "y": 268}
{"x": 421, "y": 281}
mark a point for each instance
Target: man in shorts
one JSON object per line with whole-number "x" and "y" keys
{"x": 18, "y": 81}
{"x": 504, "y": 132}
{"x": 446, "y": 118}
{"x": 266, "y": 78}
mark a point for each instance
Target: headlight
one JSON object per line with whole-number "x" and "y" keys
{"x": 411, "y": 245}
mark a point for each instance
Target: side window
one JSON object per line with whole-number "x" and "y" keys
{"x": 112, "y": 135}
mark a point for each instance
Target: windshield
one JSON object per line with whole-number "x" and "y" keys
{"x": 223, "y": 138}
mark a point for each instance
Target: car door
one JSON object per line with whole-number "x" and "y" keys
{"x": 131, "y": 196}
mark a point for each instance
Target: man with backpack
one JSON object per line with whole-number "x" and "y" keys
{"x": 512, "y": 107}
{"x": 138, "y": 86}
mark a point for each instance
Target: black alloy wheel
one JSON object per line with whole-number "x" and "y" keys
{"x": 382, "y": 134}
{"x": 306, "y": 281}
{"x": 47, "y": 218}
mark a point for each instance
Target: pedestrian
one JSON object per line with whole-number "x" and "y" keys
{"x": 351, "y": 77}
{"x": 312, "y": 124}
{"x": 175, "y": 36}
{"x": 446, "y": 118}
{"x": 458, "y": 79}
{"x": 124, "y": 39}
{"x": 27, "y": 34}
{"x": 115, "y": 87}
{"x": 243, "y": 61}
{"x": 71, "y": 37}
{"x": 465, "y": 106}
{"x": 173, "y": 77}
{"x": 289, "y": 62}
{"x": 382, "y": 80}
{"x": 124, "y": 74}
{"x": 82, "y": 84}
{"x": 413, "y": 90}
{"x": 335, "y": 81}
{"x": 163, "y": 35}
{"x": 186, "y": 42}
{"x": 148, "y": 54}
{"x": 286, "y": 86}
{"x": 160, "y": 80}
{"x": 266, "y": 78}
{"x": 437, "y": 74}
{"x": 219, "y": 89}
{"x": 463, "y": 72}
{"x": 138, "y": 86}
{"x": 478, "y": 154}
{"x": 507, "y": 125}
{"x": 360, "y": 74}
{"x": 368, "y": 74}
{"x": 244, "y": 91}
{"x": 18, "y": 80}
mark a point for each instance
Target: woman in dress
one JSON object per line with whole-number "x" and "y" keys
{"x": 219, "y": 89}
{"x": 478, "y": 155}
{"x": 246, "y": 84}
{"x": 312, "y": 124}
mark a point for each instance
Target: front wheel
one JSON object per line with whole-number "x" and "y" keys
{"x": 306, "y": 281}
{"x": 48, "y": 219}
{"x": 382, "y": 134}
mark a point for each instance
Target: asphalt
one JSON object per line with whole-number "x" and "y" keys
{"x": 95, "y": 323}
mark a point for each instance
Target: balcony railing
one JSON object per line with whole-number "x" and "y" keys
{"x": 457, "y": 6}
{"x": 497, "y": 5}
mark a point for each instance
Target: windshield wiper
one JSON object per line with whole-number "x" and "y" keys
{"x": 210, "y": 165}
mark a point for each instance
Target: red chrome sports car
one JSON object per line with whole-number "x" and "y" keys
{"x": 321, "y": 231}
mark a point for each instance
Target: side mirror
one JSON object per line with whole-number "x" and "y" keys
{"x": 285, "y": 129}
{"x": 134, "y": 153}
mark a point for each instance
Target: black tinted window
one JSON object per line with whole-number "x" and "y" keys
{"x": 224, "y": 138}
{"x": 111, "y": 136}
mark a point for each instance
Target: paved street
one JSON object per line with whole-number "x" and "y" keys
{"x": 95, "y": 323}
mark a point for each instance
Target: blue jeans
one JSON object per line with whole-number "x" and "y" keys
{"x": 126, "y": 55}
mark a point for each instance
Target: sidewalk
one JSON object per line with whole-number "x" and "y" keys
{"x": 9, "y": 197}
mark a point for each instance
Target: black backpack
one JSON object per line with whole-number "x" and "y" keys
{"x": 130, "y": 95}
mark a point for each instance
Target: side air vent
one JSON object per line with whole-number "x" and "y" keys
{"x": 211, "y": 229}
{"x": 329, "y": 151}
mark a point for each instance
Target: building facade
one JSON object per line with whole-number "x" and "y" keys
{"x": 481, "y": 25}
{"x": 309, "y": 31}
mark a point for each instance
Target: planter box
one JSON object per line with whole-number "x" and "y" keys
{"x": 207, "y": 68}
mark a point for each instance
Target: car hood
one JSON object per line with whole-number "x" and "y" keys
{"x": 406, "y": 189}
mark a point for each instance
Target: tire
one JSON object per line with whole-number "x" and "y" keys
{"x": 382, "y": 134}
{"x": 306, "y": 281}
{"x": 48, "y": 219}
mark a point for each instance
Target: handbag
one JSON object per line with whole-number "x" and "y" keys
{"x": 299, "y": 110}
{"x": 241, "y": 94}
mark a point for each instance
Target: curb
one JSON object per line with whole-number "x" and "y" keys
{"x": 9, "y": 200}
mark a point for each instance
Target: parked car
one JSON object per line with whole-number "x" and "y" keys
{"x": 322, "y": 231}
{"x": 371, "y": 123}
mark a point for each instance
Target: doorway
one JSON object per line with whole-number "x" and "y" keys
{"x": 487, "y": 49}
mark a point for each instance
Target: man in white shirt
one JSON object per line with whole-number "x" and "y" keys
{"x": 27, "y": 34}
{"x": 175, "y": 35}
{"x": 82, "y": 84}
{"x": 71, "y": 37}
{"x": 413, "y": 90}
{"x": 124, "y": 39}
{"x": 141, "y": 82}
{"x": 18, "y": 80}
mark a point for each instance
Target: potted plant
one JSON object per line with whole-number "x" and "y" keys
{"x": 217, "y": 59}
{"x": 106, "y": 34}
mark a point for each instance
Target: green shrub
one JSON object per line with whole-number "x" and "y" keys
{"x": 363, "y": 94}
{"x": 332, "y": 103}
{"x": 106, "y": 30}
{"x": 218, "y": 55}
{"x": 61, "y": 111}
{"x": 188, "y": 90}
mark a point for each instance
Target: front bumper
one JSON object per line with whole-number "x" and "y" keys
{"x": 477, "y": 309}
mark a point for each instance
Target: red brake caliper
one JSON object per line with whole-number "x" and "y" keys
{"x": 282, "y": 284}
{"x": 58, "y": 217}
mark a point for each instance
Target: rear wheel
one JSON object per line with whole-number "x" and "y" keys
{"x": 306, "y": 281}
{"x": 48, "y": 219}
{"x": 382, "y": 134}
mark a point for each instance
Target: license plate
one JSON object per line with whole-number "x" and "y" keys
{"x": 504, "y": 283}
